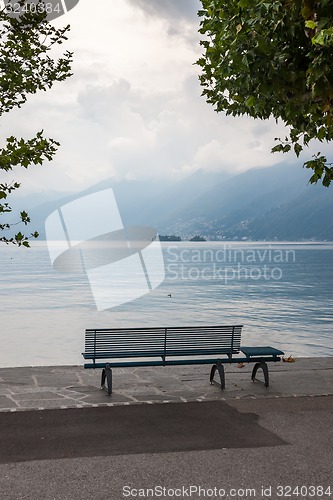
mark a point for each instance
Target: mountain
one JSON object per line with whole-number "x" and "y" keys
{"x": 275, "y": 202}
{"x": 147, "y": 202}
{"x": 266, "y": 203}
{"x": 252, "y": 191}
{"x": 308, "y": 216}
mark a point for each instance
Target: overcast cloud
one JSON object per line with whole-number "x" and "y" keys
{"x": 172, "y": 10}
{"x": 133, "y": 107}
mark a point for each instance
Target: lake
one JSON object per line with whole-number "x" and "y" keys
{"x": 281, "y": 292}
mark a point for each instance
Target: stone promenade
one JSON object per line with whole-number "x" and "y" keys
{"x": 37, "y": 388}
{"x": 166, "y": 432}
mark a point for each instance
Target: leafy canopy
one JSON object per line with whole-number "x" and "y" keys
{"x": 273, "y": 58}
{"x": 26, "y": 66}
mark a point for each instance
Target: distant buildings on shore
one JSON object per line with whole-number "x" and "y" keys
{"x": 178, "y": 238}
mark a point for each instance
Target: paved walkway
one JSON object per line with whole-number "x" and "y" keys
{"x": 38, "y": 388}
{"x": 258, "y": 443}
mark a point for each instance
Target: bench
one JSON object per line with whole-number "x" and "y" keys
{"x": 214, "y": 345}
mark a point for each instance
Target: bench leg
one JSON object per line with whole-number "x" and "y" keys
{"x": 220, "y": 368}
{"x": 264, "y": 368}
{"x": 107, "y": 374}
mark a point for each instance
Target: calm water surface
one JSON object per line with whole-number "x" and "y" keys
{"x": 281, "y": 293}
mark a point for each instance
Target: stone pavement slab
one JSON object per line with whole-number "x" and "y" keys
{"x": 38, "y": 388}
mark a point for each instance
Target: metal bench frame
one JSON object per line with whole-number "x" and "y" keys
{"x": 214, "y": 345}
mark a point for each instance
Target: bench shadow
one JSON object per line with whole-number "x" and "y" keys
{"x": 133, "y": 429}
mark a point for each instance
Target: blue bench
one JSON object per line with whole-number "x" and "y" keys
{"x": 216, "y": 345}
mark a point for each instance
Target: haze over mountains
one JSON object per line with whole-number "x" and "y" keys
{"x": 260, "y": 204}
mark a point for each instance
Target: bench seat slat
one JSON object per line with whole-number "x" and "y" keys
{"x": 141, "y": 354}
{"x": 146, "y": 336}
{"x": 162, "y": 329}
{"x": 169, "y": 344}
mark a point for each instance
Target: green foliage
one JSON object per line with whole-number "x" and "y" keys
{"x": 322, "y": 169}
{"x": 26, "y": 66}
{"x": 272, "y": 59}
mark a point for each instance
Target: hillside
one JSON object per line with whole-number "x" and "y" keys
{"x": 270, "y": 203}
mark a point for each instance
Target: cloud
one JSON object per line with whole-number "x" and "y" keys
{"x": 171, "y": 10}
{"x": 179, "y": 16}
{"x": 119, "y": 130}
{"x": 172, "y": 133}
{"x": 134, "y": 108}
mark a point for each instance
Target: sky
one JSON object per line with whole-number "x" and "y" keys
{"x": 133, "y": 108}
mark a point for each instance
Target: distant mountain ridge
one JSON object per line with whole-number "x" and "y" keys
{"x": 259, "y": 204}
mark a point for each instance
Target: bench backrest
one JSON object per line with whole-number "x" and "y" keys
{"x": 173, "y": 341}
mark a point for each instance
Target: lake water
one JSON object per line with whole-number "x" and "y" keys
{"x": 281, "y": 293}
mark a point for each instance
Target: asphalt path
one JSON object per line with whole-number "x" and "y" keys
{"x": 134, "y": 429}
{"x": 303, "y": 459}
